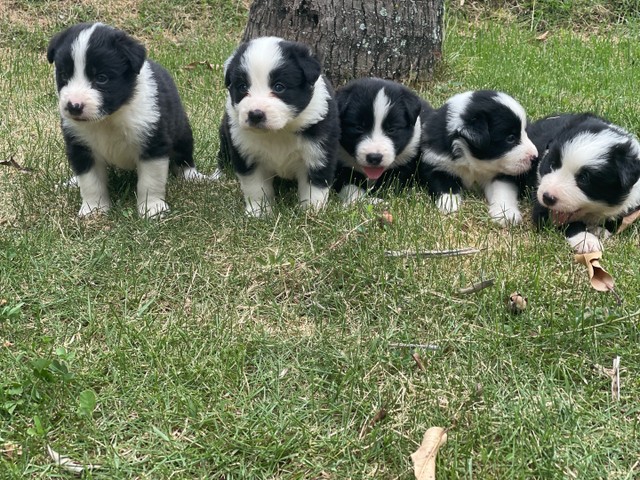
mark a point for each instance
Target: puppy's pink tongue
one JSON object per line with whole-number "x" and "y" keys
{"x": 560, "y": 218}
{"x": 373, "y": 173}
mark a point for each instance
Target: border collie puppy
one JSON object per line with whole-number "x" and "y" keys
{"x": 118, "y": 109}
{"x": 478, "y": 139}
{"x": 588, "y": 177}
{"x": 380, "y": 129}
{"x": 281, "y": 119}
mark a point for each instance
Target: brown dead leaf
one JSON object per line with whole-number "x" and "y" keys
{"x": 418, "y": 360}
{"x": 628, "y": 220}
{"x": 424, "y": 459}
{"x": 543, "y": 36}
{"x": 11, "y": 450}
{"x": 193, "y": 65}
{"x": 379, "y": 416}
{"x": 598, "y": 276}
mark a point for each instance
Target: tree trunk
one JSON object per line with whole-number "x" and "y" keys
{"x": 394, "y": 39}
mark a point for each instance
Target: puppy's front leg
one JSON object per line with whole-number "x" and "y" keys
{"x": 90, "y": 176}
{"x": 94, "y": 191}
{"x": 152, "y": 185}
{"x": 313, "y": 187}
{"x": 503, "y": 202}
{"x": 257, "y": 187}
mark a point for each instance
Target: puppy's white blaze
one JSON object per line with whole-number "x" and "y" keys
{"x": 456, "y": 107}
{"x": 588, "y": 149}
{"x": 513, "y": 105}
{"x": 93, "y": 190}
{"x": 151, "y": 188}
{"x": 258, "y": 191}
{"x": 78, "y": 89}
{"x": 262, "y": 56}
{"x": 377, "y": 142}
{"x": 503, "y": 202}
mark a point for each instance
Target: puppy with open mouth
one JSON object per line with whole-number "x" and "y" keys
{"x": 380, "y": 131}
{"x": 588, "y": 177}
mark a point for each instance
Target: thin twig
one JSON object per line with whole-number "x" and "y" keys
{"x": 425, "y": 346}
{"x": 431, "y": 253}
{"x": 418, "y": 360}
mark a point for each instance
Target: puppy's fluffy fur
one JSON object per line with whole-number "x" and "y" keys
{"x": 380, "y": 130}
{"x": 280, "y": 120}
{"x": 588, "y": 177}
{"x": 120, "y": 109}
{"x": 477, "y": 139}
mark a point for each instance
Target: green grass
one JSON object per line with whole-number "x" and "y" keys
{"x": 223, "y": 347}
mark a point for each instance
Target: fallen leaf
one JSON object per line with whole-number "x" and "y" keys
{"x": 379, "y": 416}
{"x": 598, "y": 276}
{"x": 193, "y": 65}
{"x": 424, "y": 459}
{"x": 418, "y": 360}
{"x": 69, "y": 464}
{"x": 628, "y": 220}
{"x": 543, "y": 36}
{"x": 11, "y": 450}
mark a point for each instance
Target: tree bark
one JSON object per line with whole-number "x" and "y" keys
{"x": 394, "y": 39}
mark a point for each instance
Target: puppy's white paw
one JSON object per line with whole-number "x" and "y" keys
{"x": 258, "y": 209}
{"x": 505, "y": 216}
{"x": 153, "y": 209}
{"x": 192, "y": 175}
{"x": 449, "y": 202}
{"x": 585, "y": 242}
{"x": 86, "y": 210}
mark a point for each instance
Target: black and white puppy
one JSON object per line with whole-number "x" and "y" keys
{"x": 380, "y": 129}
{"x": 118, "y": 109}
{"x": 281, "y": 120}
{"x": 478, "y": 139}
{"x": 588, "y": 177}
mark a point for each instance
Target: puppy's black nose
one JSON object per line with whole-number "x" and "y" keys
{"x": 374, "y": 158}
{"x": 549, "y": 200}
{"x": 256, "y": 117}
{"x": 75, "y": 108}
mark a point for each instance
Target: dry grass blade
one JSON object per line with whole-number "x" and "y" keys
{"x": 476, "y": 287}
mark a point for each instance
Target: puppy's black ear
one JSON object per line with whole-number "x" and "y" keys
{"x": 412, "y": 107}
{"x": 627, "y": 164}
{"x": 131, "y": 49}
{"x": 54, "y": 43}
{"x": 476, "y": 132}
{"x": 308, "y": 63}
{"x": 342, "y": 98}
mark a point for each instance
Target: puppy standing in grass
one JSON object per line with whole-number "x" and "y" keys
{"x": 281, "y": 120}
{"x": 478, "y": 139}
{"x": 118, "y": 109}
{"x": 588, "y": 177}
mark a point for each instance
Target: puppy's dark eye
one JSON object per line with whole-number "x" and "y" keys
{"x": 390, "y": 130}
{"x": 101, "y": 79}
{"x": 279, "y": 88}
{"x": 583, "y": 177}
{"x": 243, "y": 87}
{"x": 511, "y": 139}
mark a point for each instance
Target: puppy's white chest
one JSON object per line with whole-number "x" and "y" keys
{"x": 113, "y": 142}
{"x": 283, "y": 153}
